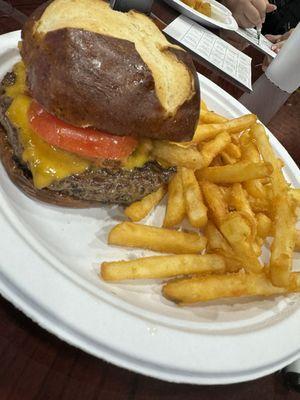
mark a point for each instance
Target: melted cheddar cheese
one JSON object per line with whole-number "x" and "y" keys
{"x": 140, "y": 156}
{"x": 48, "y": 163}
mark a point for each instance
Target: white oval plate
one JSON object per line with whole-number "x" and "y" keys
{"x": 221, "y": 16}
{"x": 49, "y": 264}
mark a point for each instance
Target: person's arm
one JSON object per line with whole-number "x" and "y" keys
{"x": 249, "y": 13}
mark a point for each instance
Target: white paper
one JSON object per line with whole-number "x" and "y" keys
{"x": 211, "y": 48}
{"x": 264, "y": 44}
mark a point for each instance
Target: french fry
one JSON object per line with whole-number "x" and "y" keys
{"x": 140, "y": 209}
{"x": 217, "y": 161}
{"x": 212, "y": 287}
{"x": 203, "y": 106}
{"x": 259, "y": 205}
{"x": 211, "y": 149}
{"x": 294, "y": 281}
{"x": 295, "y": 195}
{"x": 239, "y": 172}
{"x": 244, "y": 137}
{"x": 297, "y": 241}
{"x": 266, "y": 180}
{"x": 159, "y": 267}
{"x": 231, "y": 154}
{"x": 175, "y": 210}
{"x": 195, "y": 208}
{"x": 210, "y": 117}
{"x": 157, "y": 239}
{"x": 229, "y": 182}
{"x": 173, "y": 154}
{"x": 250, "y": 153}
{"x": 284, "y": 241}
{"x": 203, "y": 8}
{"x": 239, "y": 200}
{"x": 238, "y": 233}
{"x": 225, "y": 190}
{"x": 200, "y": 6}
{"x": 214, "y": 199}
{"x": 255, "y": 189}
{"x": 279, "y": 184}
{"x": 227, "y": 159}
{"x": 209, "y": 131}
{"x": 233, "y": 151}
{"x": 264, "y": 225}
{"x": 281, "y": 163}
{"x": 259, "y": 242}
{"x": 235, "y": 137}
{"x": 216, "y": 243}
{"x": 190, "y": 3}
{"x": 256, "y": 246}
{"x": 215, "y": 239}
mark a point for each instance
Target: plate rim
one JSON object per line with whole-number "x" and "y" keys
{"x": 202, "y": 19}
{"x": 144, "y": 367}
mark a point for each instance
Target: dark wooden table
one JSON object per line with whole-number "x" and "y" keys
{"x": 36, "y": 365}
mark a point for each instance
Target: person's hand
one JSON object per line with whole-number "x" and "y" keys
{"x": 279, "y": 40}
{"x": 249, "y": 13}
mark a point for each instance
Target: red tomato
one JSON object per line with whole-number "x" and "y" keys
{"x": 85, "y": 142}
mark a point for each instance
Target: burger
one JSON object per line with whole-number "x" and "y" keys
{"x": 79, "y": 112}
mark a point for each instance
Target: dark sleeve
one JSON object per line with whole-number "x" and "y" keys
{"x": 284, "y": 18}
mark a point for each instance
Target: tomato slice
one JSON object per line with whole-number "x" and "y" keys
{"x": 85, "y": 142}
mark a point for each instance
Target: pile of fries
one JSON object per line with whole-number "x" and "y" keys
{"x": 230, "y": 186}
{"x": 200, "y": 6}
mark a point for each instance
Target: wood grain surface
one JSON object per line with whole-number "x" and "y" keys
{"x": 37, "y": 365}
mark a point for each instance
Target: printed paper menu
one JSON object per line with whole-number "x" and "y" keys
{"x": 214, "y": 50}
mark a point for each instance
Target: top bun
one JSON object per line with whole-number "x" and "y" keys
{"x": 93, "y": 66}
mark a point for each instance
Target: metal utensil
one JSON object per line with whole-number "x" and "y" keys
{"x": 258, "y": 32}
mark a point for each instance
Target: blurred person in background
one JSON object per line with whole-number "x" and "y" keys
{"x": 280, "y": 24}
{"x": 278, "y": 18}
{"x": 274, "y": 16}
{"x": 286, "y": 17}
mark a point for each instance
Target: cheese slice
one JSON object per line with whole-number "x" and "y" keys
{"x": 140, "y": 156}
{"x": 47, "y": 163}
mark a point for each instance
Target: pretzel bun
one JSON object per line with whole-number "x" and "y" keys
{"x": 92, "y": 66}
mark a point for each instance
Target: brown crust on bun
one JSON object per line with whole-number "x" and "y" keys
{"x": 90, "y": 79}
